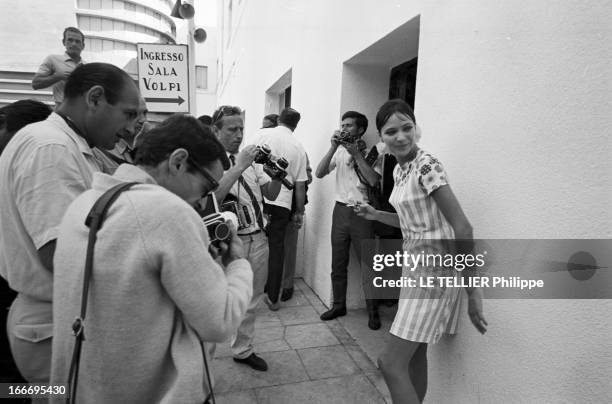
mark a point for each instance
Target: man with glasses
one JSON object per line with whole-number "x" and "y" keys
{"x": 44, "y": 167}
{"x": 244, "y": 185}
{"x": 156, "y": 292}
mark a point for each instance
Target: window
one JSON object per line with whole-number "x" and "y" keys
{"x": 107, "y": 25}
{"x": 202, "y": 77}
{"x": 95, "y": 24}
{"x": 95, "y": 44}
{"x": 84, "y": 23}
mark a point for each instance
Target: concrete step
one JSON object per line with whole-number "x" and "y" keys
{"x": 15, "y": 84}
{"x": 41, "y": 95}
{"x": 16, "y": 75}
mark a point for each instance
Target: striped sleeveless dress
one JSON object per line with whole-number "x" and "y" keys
{"x": 423, "y": 314}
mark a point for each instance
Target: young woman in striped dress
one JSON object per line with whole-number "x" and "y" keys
{"x": 429, "y": 215}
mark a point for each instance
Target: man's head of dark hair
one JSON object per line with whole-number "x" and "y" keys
{"x": 21, "y": 113}
{"x": 360, "y": 119}
{"x": 180, "y": 131}
{"x": 205, "y": 119}
{"x": 75, "y": 30}
{"x": 85, "y": 76}
{"x": 289, "y": 117}
{"x": 273, "y": 119}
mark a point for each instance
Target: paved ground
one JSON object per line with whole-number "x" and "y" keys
{"x": 310, "y": 361}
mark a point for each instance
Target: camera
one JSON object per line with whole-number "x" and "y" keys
{"x": 275, "y": 167}
{"x": 244, "y": 213}
{"x": 216, "y": 221}
{"x": 346, "y": 137}
{"x": 218, "y": 230}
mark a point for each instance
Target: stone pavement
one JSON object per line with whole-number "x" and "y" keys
{"x": 310, "y": 361}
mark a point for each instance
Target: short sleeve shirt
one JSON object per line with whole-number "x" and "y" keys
{"x": 283, "y": 143}
{"x": 42, "y": 170}
{"x": 58, "y": 63}
{"x": 419, "y": 214}
{"x": 349, "y": 189}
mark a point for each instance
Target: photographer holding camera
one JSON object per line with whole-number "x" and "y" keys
{"x": 156, "y": 293}
{"x": 241, "y": 191}
{"x": 348, "y": 228}
{"x": 283, "y": 143}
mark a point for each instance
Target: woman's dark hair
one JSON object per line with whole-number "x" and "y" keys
{"x": 360, "y": 119}
{"x": 391, "y": 107}
{"x": 85, "y": 76}
{"x": 19, "y": 114}
{"x": 180, "y": 131}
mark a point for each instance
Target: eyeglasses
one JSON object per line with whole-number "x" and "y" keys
{"x": 213, "y": 182}
{"x": 225, "y": 110}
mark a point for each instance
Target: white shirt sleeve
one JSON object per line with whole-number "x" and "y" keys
{"x": 212, "y": 300}
{"x": 47, "y": 183}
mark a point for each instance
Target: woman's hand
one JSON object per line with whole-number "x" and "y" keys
{"x": 364, "y": 210}
{"x": 475, "y": 310}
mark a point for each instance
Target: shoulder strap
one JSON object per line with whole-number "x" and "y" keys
{"x": 370, "y": 158}
{"x": 94, "y": 221}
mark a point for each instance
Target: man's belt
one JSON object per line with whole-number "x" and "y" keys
{"x": 251, "y": 233}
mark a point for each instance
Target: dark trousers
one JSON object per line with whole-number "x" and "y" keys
{"x": 348, "y": 230}
{"x": 279, "y": 219}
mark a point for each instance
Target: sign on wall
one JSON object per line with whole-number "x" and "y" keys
{"x": 163, "y": 77}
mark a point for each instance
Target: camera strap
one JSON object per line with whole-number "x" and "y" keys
{"x": 254, "y": 202}
{"x": 94, "y": 221}
{"x": 247, "y": 188}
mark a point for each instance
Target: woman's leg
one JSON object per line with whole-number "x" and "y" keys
{"x": 395, "y": 365}
{"x": 418, "y": 371}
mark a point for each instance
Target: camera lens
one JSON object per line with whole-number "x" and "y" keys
{"x": 282, "y": 163}
{"x": 222, "y": 231}
{"x": 265, "y": 148}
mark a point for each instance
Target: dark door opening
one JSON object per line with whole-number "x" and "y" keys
{"x": 402, "y": 83}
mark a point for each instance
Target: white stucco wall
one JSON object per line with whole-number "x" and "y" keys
{"x": 515, "y": 99}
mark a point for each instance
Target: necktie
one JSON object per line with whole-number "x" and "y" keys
{"x": 254, "y": 202}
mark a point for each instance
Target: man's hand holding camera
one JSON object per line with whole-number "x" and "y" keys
{"x": 246, "y": 157}
{"x": 229, "y": 250}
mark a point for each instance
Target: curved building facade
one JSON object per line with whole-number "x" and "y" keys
{"x": 33, "y": 29}
{"x": 112, "y": 28}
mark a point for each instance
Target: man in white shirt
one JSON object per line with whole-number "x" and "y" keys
{"x": 55, "y": 69}
{"x": 283, "y": 144}
{"x": 44, "y": 167}
{"x": 353, "y": 176}
{"x": 244, "y": 185}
